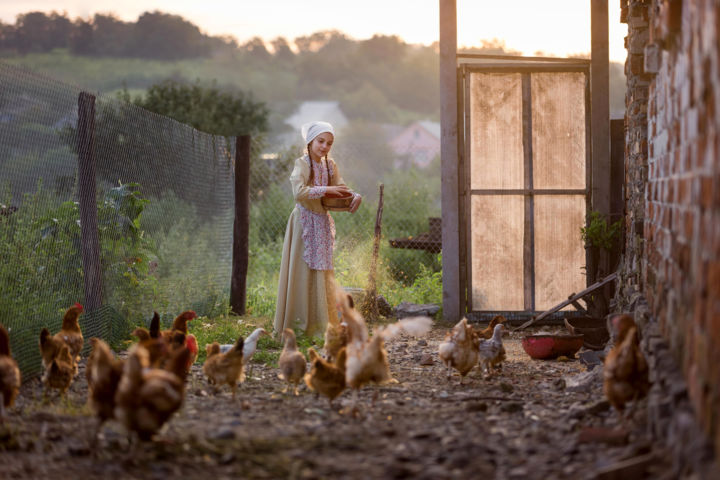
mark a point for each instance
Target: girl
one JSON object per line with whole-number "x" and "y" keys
{"x": 306, "y": 293}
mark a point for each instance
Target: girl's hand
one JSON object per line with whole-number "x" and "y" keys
{"x": 355, "y": 204}
{"x": 339, "y": 190}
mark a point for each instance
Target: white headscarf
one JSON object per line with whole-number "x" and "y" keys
{"x": 313, "y": 129}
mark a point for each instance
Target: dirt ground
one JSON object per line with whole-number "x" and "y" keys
{"x": 532, "y": 421}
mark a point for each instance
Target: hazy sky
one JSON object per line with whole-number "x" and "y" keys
{"x": 557, "y": 27}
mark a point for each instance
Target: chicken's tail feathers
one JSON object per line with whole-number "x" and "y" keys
{"x": 155, "y": 326}
{"x": 414, "y": 326}
{"x": 179, "y": 361}
{"x": 341, "y": 358}
{"x": 4, "y": 341}
{"x": 212, "y": 349}
{"x": 239, "y": 345}
{"x": 312, "y": 354}
{"x": 308, "y": 381}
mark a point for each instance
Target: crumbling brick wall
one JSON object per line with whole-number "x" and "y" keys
{"x": 672, "y": 248}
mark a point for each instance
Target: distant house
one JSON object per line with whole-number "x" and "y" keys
{"x": 418, "y": 143}
{"x": 327, "y": 111}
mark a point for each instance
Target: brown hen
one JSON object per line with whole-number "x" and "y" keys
{"x": 9, "y": 374}
{"x": 625, "y": 374}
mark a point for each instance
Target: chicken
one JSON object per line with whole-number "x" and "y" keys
{"x": 249, "y": 348}
{"x": 71, "y": 334}
{"x": 147, "y": 397}
{"x": 103, "y": 372}
{"x": 49, "y": 348}
{"x": 225, "y": 368}
{"x": 192, "y": 345}
{"x": 292, "y": 362}
{"x": 492, "y": 352}
{"x": 366, "y": 357}
{"x": 9, "y": 374}
{"x": 625, "y": 374}
{"x": 180, "y": 324}
{"x": 459, "y": 350}
{"x": 156, "y": 346}
{"x": 326, "y": 378}
{"x": 60, "y": 372}
{"x": 336, "y": 331}
{"x": 487, "y": 332}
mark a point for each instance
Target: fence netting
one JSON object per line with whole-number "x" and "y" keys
{"x": 165, "y": 217}
{"x": 164, "y": 208}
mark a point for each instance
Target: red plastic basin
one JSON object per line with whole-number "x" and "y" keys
{"x": 552, "y": 346}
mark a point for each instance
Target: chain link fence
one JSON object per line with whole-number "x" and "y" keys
{"x": 165, "y": 215}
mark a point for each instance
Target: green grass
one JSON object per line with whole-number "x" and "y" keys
{"x": 227, "y": 329}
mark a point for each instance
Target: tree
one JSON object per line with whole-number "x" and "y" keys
{"x": 255, "y": 49}
{"x": 281, "y": 49}
{"x": 208, "y": 109}
{"x": 383, "y": 48}
{"x": 164, "y": 36}
{"x": 33, "y": 32}
{"x": 110, "y": 35}
{"x": 81, "y": 38}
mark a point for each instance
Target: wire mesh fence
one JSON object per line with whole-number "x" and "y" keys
{"x": 164, "y": 213}
{"x": 165, "y": 217}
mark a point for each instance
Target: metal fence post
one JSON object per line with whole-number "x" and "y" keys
{"x": 87, "y": 202}
{"x": 241, "y": 226}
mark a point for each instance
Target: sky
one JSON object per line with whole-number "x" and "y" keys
{"x": 555, "y": 27}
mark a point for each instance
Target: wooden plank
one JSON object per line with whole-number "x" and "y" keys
{"x": 567, "y": 302}
{"x": 517, "y": 58}
{"x": 89, "y": 236}
{"x": 577, "y": 306}
{"x": 600, "y": 106}
{"x": 523, "y": 67}
{"x": 529, "y": 221}
{"x": 464, "y": 240}
{"x": 449, "y": 161}
{"x": 467, "y": 172}
{"x": 527, "y": 191}
{"x": 241, "y": 226}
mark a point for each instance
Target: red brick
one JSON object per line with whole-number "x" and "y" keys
{"x": 689, "y": 224}
{"x": 706, "y": 192}
{"x": 683, "y": 197}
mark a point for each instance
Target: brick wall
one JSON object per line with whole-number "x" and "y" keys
{"x": 672, "y": 248}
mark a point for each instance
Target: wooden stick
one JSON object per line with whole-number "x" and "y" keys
{"x": 370, "y": 306}
{"x": 567, "y": 302}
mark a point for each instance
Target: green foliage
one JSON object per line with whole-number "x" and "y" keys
{"x": 597, "y": 232}
{"x": 226, "y": 329}
{"x": 426, "y": 287}
{"x": 207, "y": 108}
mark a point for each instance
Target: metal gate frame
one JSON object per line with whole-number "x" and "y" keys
{"x": 477, "y": 63}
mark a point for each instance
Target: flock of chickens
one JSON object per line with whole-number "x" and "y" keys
{"x": 145, "y": 389}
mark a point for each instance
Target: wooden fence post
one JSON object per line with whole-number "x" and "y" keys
{"x": 241, "y": 226}
{"x": 453, "y": 301}
{"x": 88, "y": 203}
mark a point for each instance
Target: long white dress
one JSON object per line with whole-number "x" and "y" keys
{"x": 306, "y": 286}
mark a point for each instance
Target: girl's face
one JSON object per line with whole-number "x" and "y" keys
{"x": 320, "y": 146}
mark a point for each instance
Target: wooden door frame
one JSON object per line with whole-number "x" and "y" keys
{"x": 524, "y": 66}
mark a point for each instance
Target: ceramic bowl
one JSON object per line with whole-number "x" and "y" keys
{"x": 552, "y": 346}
